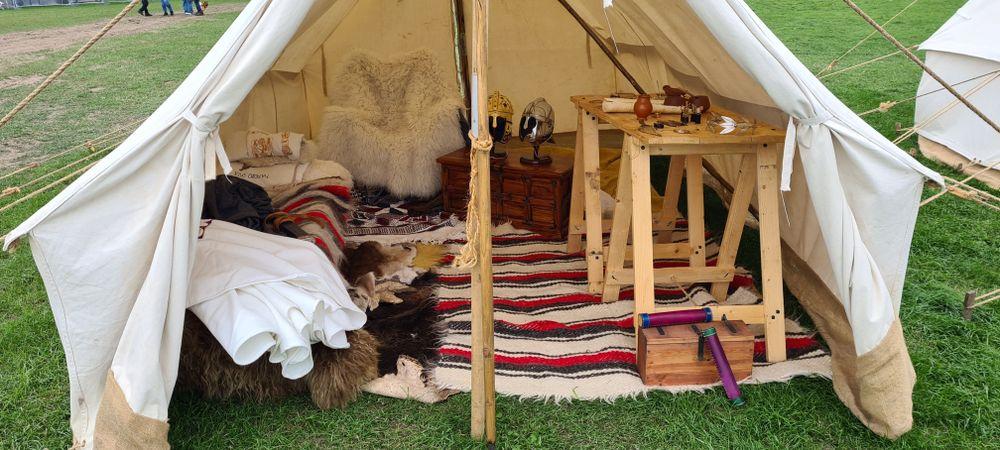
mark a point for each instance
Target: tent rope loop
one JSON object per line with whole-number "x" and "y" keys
{"x": 209, "y": 131}
{"x": 467, "y": 256}
{"x": 791, "y": 142}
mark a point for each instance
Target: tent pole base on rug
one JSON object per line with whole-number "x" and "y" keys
{"x": 973, "y": 302}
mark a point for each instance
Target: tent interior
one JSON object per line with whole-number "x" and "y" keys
{"x": 849, "y": 280}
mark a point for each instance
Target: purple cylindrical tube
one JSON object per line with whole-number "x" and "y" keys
{"x": 675, "y": 317}
{"x": 722, "y": 364}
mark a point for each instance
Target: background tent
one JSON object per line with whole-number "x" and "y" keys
{"x": 118, "y": 287}
{"x": 964, "y": 48}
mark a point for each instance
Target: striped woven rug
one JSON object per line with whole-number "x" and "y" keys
{"x": 555, "y": 341}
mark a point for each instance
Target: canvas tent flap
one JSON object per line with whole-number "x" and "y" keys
{"x": 851, "y": 173}
{"x": 114, "y": 248}
{"x": 835, "y": 146}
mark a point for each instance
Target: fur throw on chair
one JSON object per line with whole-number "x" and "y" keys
{"x": 390, "y": 120}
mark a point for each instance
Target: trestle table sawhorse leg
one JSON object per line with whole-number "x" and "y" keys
{"x": 585, "y": 201}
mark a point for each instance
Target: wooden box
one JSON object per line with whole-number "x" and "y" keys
{"x": 668, "y": 356}
{"x": 534, "y": 198}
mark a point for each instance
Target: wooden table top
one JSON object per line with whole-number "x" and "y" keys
{"x": 697, "y": 133}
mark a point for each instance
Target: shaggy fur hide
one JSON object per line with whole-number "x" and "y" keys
{"x": 383, "y": 261}
{"x": 412, "y": 328}
{"x": 335, "y": 381}
{"x": 390, "y": 120}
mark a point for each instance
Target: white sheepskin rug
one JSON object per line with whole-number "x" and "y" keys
{"x": 389, "y": 120}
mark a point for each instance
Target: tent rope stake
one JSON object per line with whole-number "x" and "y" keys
{"x": 973, "y": 302}
{"x": 920, "y": 63}
{"x": 65, "y": 65}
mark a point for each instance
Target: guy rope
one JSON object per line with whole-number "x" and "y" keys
{"x": 887, "y": 105}
{"x": 65, "y": 65}
{"x": 107, "y": 136}
{"x": 958, "y": 188}
{"x": 920, "y": 63}
{"x": 862, "y": 41}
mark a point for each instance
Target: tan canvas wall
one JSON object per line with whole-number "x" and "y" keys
{"x": 536, "y": 49}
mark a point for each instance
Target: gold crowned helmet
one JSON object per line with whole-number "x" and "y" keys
{"x": 498, "y": 107}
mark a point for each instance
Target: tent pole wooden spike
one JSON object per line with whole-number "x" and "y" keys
{"x": 604, "y": 47}
{"x": 483, "y": 388}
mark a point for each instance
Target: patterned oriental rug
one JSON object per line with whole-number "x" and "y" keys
{"x": 556, "y": 341}
{"x": 553, "y": 339}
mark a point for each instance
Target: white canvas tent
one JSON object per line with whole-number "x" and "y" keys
{"x": 963, "y": 52}
{"x": 117, "y": 286}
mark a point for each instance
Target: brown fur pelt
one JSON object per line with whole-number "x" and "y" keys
{"x": 335, "y": 380}
{"x": 381, "y": 260}
{"x": 412, "y": 328}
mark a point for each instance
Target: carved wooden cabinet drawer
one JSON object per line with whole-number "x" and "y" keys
{"x": 530, "y": 197}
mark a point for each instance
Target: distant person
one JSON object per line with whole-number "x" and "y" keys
{"x": 190, "y": 5}
{"x": 201, "y": 7}
{"x": 144, "y": 9}
{"x": 165, "y": 4}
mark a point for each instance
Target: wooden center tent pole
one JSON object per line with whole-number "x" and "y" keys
{"x": 483, "y": 388}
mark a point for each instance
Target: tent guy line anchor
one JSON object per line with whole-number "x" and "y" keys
{"x": 972, "y": 301}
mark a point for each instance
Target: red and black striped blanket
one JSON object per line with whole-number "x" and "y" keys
{"x": 554, "y": 340}
{"x": 321, "y": 208}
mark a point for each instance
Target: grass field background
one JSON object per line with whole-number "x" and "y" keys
{"x": 955, "y": 249}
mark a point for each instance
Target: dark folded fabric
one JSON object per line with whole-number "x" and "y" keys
{"x": 238, "y": 201}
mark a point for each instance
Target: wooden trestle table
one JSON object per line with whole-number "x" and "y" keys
{"x": 758, "y": 150}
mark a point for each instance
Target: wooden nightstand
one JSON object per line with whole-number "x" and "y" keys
{"x": 533, "y": 198}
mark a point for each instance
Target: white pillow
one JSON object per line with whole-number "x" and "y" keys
{"x": 261, "y": 144}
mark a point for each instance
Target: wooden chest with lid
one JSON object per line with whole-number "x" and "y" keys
{"x": 534, "y": 198}
{"x": 668, "y": 356}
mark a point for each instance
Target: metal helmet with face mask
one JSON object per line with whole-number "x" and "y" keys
{"x": 501, "y": 115}
{"x": 537, "y": 122}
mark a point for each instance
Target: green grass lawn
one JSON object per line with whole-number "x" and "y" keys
{"x": 28, "y": 19}
{"x": 956, "y": 248}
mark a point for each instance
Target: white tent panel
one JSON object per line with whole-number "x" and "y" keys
{"x": 964, "y": 48}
